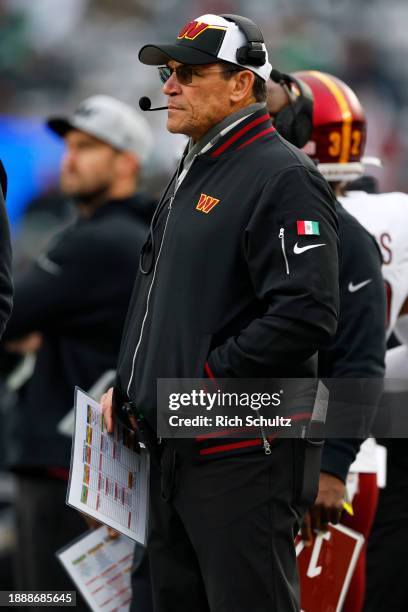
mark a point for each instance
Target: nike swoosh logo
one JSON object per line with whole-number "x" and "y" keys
{"x": 297, "y": 249}
{"x": 353, "y": 288}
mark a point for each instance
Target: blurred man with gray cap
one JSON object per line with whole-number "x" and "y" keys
{"x": 226, "y": 289}
{"x": 70, "y": 307}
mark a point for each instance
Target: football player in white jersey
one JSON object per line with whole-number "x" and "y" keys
{"x": 385, "y": 215}
{"x": 325, "y": 118}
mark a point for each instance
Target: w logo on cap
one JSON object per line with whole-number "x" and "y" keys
{"x": 192, "y": 29}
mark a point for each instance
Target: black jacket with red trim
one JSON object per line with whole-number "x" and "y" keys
{"x": 228, "y": 279}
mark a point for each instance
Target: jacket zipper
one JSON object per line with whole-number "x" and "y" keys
{"x": 265, "y": 441}
{"x": 148, "y": 297}
{"x": 282, "y": 239}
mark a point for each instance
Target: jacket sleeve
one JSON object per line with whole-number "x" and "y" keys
{"x": 358, "y": 349}
{"x": 6, "y": 287}
{"x": 294, "y": 278}
{"x": 63, "y": 285}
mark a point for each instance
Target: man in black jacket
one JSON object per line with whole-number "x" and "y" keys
{"x": 239, "y": 279}
{"x": 70, "y": 305}
{"x": 6, "y": 287}
{"x": 358, "y": 349}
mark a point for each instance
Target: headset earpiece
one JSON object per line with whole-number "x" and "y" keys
{"x": 295, "y": 121}
{"x": 253, "y": 53}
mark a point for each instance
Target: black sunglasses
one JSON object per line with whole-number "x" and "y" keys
{"x": 185, "y": 72}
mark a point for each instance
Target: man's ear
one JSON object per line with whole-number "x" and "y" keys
{"x": 242, "y": 83}
{"x": 128, "y": 164}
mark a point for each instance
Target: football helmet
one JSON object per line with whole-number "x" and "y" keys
{"x": 338, "y": 135}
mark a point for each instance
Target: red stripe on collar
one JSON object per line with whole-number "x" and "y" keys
{"x": 251, "y": 140}
{"x": 240, "y": 133}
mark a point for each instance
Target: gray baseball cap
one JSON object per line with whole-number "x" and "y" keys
{"x": 110, "y": 120}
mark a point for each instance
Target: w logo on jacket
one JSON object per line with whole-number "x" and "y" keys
{"x": 206, "y": 203}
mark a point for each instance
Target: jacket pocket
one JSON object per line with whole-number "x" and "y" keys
{"x": 203, "y": 352}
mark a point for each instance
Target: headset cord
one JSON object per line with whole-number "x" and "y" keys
{"x": 150, "y": 241}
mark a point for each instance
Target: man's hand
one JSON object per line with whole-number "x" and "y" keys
{"x": 94, "y": 524}
{"x": 91, "y": 522}
{"x": 28, "y": 344}
{"x": 327, "y": 507}
{"x": 277, "y": 97}
{"x": 107, "y": 410}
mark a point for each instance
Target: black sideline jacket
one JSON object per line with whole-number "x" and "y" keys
{"x": 76, "y": 295}
{"x": 231, "y": 285}
{"x": 358, "y": 349}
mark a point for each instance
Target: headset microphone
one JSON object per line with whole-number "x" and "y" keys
{"x": 145, "y": 104}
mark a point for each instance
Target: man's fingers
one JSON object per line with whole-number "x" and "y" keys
{"x": 315, "y": 518}
{"x": 29, "y": 344}
{"x": 306, "y": 530}
{"x": 335, "y": 515}
{"x": 133, "y": 422}
{"x": 94, "y": 524}
{"x": 107, "y": 410}
{"x": 108, "y": 418}
{"x": 327, "y": 508}
{"x": 320, "y": 517}
{"x": 325, "y": 514}
{"x": 329, "y": 502}
{"x": 90, "y": 521}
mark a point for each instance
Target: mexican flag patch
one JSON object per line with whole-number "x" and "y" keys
{"x": 308, "y": 228}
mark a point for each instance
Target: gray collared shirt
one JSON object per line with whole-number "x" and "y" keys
{"x": 212, "y": 136}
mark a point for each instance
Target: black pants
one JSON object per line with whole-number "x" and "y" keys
{"x": 44, "y": 525}
{"x": 141, "y": 584}
{"x": 221, "y": 532}
{"x": 387, "y": 567}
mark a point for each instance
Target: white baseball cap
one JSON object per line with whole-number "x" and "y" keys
{"x": 207, "y": 39}
{"x": 110, "y": 120}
